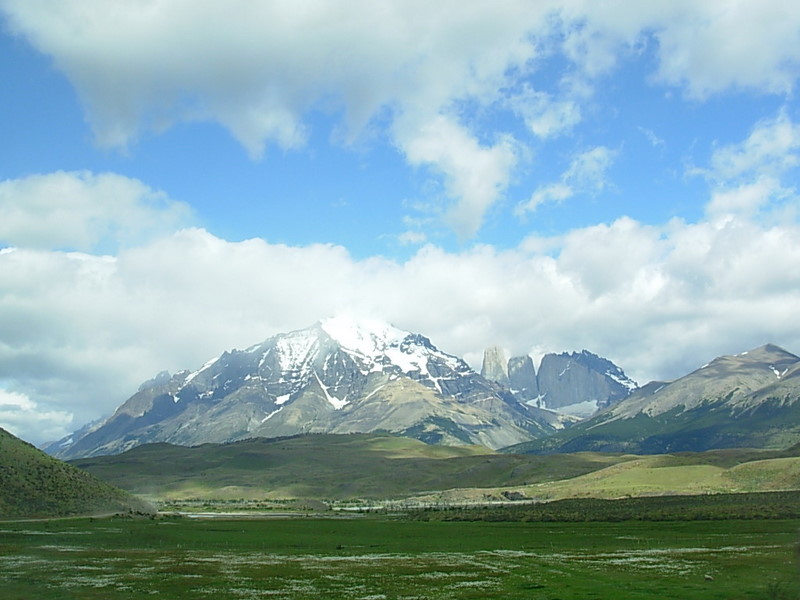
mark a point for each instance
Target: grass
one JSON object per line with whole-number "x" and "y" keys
{"x": 371, "y": 558}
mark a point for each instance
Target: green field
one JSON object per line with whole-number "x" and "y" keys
{"x": 375, "y": 558}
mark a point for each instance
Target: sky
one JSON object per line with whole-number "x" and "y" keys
{"x": 183, "y": 177}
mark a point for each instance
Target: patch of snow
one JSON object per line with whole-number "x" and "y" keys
{"x": 373, "y": 392}
{"x": 538, "y": 402}
{"x": 175, "y": 398}
{"x": 67, "y": 442}
{"x": 579, "y": 409}
{"x": 200, "y": 370}
{"x": 778, "y": 374}
{"x": 294, "y": 349}
{"x": 272, "y": 414}
{"x": 335, "y": 402}
{"x": 621, "y": 379}
{"x": 569, "y": 364}
{"x": 407, "y": 361}
{"x": 365, "y": 337}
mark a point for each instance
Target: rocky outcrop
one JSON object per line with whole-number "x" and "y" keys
{"x": 581, "y": 382}
{"x": 495, "y": 367}
{"x": 577, "y": 383}
{"x": 522, "y": 378}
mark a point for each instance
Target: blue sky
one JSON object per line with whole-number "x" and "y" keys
{"x": 179, "y": 178}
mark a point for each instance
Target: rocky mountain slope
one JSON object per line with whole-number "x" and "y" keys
{"x": 33, "y": 484}
{"x": 577, "y": 383}
{"x": 337, "y": 376}
{"x": 748, "y": 400}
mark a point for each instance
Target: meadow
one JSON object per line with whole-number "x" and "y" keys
{"x": 381, "y": 557}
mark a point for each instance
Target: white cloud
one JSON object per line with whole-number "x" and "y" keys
{"x": 771, "y": 148}
{"x": 554, "y": 192}
{"x": 746, "y": 199}
{"x": 475, "y": 176}
{"x": 22, "y": 417}
{"x": 80, "y": 210}
{"x": 704, "y": 48}
{"x": 709, "y": 47}
{"x": 651, "y": 136}
{"x": 262, "y": 68}
{"x": 588, "y": 169}
{"x": 272, "y": 64}
{"x": 586, "y": 174}
{"x": 545, "y": 115}
{"x": 755, "y": 175}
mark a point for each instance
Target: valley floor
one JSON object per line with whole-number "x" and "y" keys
{"x": 377, "y": 557}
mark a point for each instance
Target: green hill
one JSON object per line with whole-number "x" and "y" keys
{"x": 368, "y": 466}
{"x": 326, "y": 466}
{"x": 690, "y": 473}
{"x": 33, "y": 484}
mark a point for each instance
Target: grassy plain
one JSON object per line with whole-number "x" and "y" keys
{"x": 371, "y": 558}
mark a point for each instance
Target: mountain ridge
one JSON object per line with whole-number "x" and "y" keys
{"x": 337, "y": 376}
{"x": 751, "y": 399}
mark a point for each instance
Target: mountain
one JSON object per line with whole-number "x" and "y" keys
{"x": 581, "y": 383}
{"x": 338, "y": 376}
{"x": 577, "y": 383}
{"x": 522, "y": 378}
{"x": 751, "y": 399}
{"x": 33, "y": 484}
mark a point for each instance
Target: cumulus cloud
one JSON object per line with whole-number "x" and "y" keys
{"x": 710, "y": 47}
{"x": 140, "y": 68}
{"x": 272, "y": 64}
{"x": 82, "y": 211}
{"x": 702, "y": 48}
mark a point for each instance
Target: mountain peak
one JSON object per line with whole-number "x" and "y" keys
{"x": 363, "y": 336}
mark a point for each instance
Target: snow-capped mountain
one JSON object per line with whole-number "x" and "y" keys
{"x": 338, "y": 376}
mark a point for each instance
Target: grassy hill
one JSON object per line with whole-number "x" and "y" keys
{"x": 713, "y": 472}
{"x": 327, "y": 467}
{"x": 368, "y": 466}
{"x": 33, "y": 484}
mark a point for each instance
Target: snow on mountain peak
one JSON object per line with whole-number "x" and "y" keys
{"x": 368, "y": 338}
{"x": 294, "y": 349}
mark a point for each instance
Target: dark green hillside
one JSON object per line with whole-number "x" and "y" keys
{"x": 774, "y": 424}
{"x": 33, "y": 484}
{"x": 327, "y": 466}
